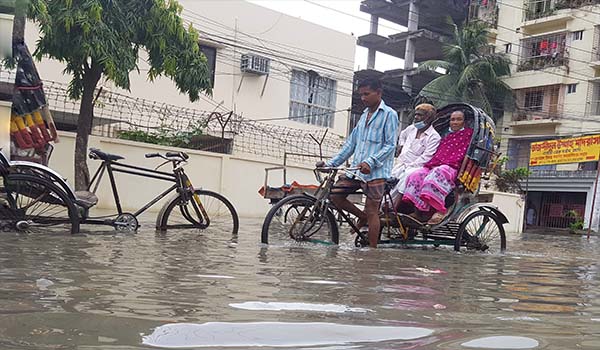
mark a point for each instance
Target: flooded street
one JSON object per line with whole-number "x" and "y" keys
{"x": 182, "y": 289}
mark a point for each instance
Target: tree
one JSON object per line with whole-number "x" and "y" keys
{"x": 472, "y": 75}
{"x": 102, "y": 39}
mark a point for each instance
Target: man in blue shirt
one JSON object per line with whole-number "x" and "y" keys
{"x": 372, "y": 142}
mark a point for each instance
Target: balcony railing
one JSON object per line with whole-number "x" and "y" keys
{"x": 541, "y": 62}
{"x": 524, "y": 114}
{"x": 535, "y": 9}
{"x": 567, "y": 4}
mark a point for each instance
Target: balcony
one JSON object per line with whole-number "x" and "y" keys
{"x": 543, "y": 51}
{"x": 537, "y": 9}
{"x": 534, "y": 119}
{"x": 538, "y": 106}
{"x": 541, "y": 62}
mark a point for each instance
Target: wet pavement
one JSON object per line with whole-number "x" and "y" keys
{"x": 184, "y": 289}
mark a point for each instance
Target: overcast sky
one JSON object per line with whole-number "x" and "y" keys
{"x": 344, "y": 16}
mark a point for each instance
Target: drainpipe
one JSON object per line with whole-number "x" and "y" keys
{"x": 372, "y": 51}
{"x": 409, "y": 51}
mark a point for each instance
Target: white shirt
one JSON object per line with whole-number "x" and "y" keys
{"x": 417, "y": 151}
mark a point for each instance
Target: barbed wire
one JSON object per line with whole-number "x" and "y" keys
{"x": 121, "y": 116}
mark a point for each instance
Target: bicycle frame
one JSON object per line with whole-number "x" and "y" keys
{"x": 178, "y": 177}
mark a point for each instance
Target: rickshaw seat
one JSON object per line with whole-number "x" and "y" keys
{"x": 98, "y": 154}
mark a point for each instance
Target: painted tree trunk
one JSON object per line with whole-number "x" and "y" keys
{"x": 84, "y": 127}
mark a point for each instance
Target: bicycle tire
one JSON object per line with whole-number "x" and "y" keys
{"x": 221, "y": 213}
{"x": 281, "y": 215}
{"x": 31, "y": 202}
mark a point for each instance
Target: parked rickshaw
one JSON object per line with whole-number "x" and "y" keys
{"x": 470, "y": 221}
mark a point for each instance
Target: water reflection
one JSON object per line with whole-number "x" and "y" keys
{"x": 274, "y": 334}
{"x": 105, "y": 289}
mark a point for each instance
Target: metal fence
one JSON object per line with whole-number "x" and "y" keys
{"x": 121, "y": 116}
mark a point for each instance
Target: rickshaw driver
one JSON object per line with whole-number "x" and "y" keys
{"x": 372, "y": 142}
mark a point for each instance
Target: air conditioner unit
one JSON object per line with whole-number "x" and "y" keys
{"x": 255, "y": 64}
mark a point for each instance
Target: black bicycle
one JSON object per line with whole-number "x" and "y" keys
{"x": 187, "y": 208}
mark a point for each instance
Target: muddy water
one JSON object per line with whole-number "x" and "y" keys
{"x": 182, "y": 289}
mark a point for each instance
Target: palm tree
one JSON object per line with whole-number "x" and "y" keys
{"x": 472, "y": 75}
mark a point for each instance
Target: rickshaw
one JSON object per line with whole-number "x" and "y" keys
{"x": 470, "y": 222}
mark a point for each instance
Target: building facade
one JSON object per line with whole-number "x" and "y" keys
{"x": 554, "y": 49}
{"x": 280, "y": 68}
{"x": 427, "y": 28}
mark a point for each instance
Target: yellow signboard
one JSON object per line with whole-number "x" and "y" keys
{"x": 573, "y": 150}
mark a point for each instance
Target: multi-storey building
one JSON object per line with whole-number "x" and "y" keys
{"x": 426, "y": 21}
{"x": 554, "y": 49}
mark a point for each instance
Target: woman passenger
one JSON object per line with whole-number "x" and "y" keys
{"x": 427, "y": 187}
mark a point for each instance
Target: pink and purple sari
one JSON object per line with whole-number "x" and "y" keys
{"x": 428, "y": 187}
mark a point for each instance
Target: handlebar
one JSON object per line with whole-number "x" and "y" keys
{"x": 169, "y": 156}
{"x": 334, "y": 170}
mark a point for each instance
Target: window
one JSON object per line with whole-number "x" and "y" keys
{"x": 508, "y": 48}
{"x": 534, "y": 100}
{"x": 312, "y": 98}
{"x": 578, "y": 35}
{"x": 571, "y": 88}
{"x": 595, "y": 101}
{"x": 211, "y": 56}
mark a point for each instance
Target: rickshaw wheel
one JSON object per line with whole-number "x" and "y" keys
{"x": 481, "y": 231}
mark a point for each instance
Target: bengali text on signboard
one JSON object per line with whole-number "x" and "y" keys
{"x": 572, "y": 150}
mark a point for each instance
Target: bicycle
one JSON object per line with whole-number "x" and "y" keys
{"x": 312, "y": 217}
{"x": 188, "y": 208}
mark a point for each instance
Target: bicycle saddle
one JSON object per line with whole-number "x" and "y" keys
{"x": 391, "y": 182}
{"x": 98, "y": 154}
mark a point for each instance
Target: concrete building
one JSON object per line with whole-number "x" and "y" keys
{"x": 427, "y": 28}
{"x": 264, "y": 65}
{"x": 554, "y": 46}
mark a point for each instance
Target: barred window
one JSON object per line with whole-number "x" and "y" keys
{"x": 312, "y": 98}
{"x": 534, "y": 100}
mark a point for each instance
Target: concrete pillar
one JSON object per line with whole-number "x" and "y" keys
{"x": 595, "y": 224}
{"x": 372, "y": 52}
{"x": 5, "y": 127}
{"x": 409, "y": 52}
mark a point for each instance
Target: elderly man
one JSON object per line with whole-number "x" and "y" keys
{"x": 418, "y": 143}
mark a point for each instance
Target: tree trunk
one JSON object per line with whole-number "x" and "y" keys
{"x": 84, "y": 126}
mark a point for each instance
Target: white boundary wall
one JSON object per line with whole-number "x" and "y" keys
{"x": 236, "y": 177}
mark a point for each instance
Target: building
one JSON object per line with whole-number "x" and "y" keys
{"x": 261, "y": 69}
{"x": 554, "y": 46}
{"x": 427, "y": 28}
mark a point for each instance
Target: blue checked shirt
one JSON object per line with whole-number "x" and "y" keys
{"x": 373, "y": 143}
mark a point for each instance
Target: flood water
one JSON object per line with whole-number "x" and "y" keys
{"x": 182, "y": 289}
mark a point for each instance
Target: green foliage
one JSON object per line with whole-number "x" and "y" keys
{"x": 472, "y": 76}
{"x": 577, "y": 224}
{"x": 166, "y": 136}
{"x": 107, "y": 35}
{"x": 509, "y": 180}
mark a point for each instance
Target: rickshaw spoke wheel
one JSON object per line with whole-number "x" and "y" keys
{"x": 481, "y": 231}
{"x": 33, "y": 204}
{"x": 298, "y": 218}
